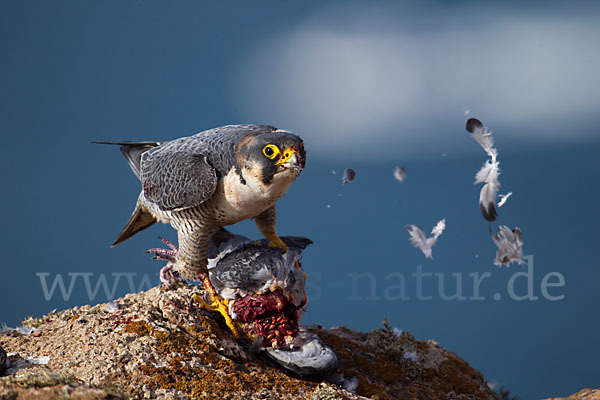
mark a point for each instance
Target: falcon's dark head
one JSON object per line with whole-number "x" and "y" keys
{"x": 275, "y": 155}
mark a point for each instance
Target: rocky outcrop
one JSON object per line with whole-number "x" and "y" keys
{"x": 585, "y": 394}
{"x": 156, "y": 345}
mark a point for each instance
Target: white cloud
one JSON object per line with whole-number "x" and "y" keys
{"x": 376, "y": 82}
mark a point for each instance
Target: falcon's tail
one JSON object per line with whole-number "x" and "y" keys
{"x": 139, "y": 220}
{"x": 133, "y": 152}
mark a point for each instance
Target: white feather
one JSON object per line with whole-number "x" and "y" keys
{"x": 489, "y": 172}
{"x": 504, "y": 198}
{"x": 421, "y": 241}
{"x": 485, "y": 138}
{"x": 400, "y": 173}
{"x": 487, "y": 196}
{"x": 439, "y": 228}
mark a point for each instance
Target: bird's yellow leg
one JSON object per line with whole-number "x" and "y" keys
{"x": 265, "y": 222}
{"x": 276, "y": 242}
{"x": 218, "y": 304}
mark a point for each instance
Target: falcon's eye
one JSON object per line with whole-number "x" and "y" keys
{"x": 271, "y": 151}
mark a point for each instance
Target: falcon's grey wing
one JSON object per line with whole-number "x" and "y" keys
{"x": 133, "y": 153}
{"x": 175, "y": 179}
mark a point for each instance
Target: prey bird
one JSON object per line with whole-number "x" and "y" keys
{"x": 423, "y": 243}
{"x": 266, "y": 291}
{"x": 209, "y": 180}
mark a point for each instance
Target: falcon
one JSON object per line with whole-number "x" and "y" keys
{"x": 215, "y": 178}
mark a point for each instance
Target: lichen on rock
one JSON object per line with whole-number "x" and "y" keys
{"x": 156, "y": 346}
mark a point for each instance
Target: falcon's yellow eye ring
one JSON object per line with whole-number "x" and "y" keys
{"x": 271, "y": 151}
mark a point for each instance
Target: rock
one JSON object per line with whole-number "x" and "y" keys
{"x": 3, "y": 361}
{"x": 154, "y": 345}
{"x": 585, "y": 394}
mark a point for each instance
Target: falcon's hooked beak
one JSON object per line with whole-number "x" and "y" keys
{"x": 291, "y": 159}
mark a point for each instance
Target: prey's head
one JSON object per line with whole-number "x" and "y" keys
{"x": 273, "y": 155}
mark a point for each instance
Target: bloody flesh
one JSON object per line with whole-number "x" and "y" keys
{"x": 271, "y": 315}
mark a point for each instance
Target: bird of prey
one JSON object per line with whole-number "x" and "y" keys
{"x": 399, "y": 173}
{"x": 214, "y": 178}
{"x": 423, "y": 243}
{"x": 489, "y": 172}
{"x": 510, "y": 245}
{"x": 349, "y": 175}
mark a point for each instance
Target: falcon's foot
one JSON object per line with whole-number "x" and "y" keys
{"x": 167, "y": 274}
{"x": 217, "y": 303}
{"x": 274, "y": 241}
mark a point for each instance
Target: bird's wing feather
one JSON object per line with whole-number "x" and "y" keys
{"x": 439, "y": 228}
{"x": 419, "y": 240}
{"x": 510, "y": 245}
{"x": 482, "y": 136}
{"x": 487, "y": 201}
{"x": 489, "y": 172}
{"x": 504, "y": 198}
{"x": 175, "y": 178}
{"x": 133, "y": 152}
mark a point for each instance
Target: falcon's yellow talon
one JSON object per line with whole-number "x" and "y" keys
{"x": 201, "y": 303}
{"x": 276, "y": 242}
{"x": 221, "y": 306}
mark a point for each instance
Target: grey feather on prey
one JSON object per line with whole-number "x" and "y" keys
{"x": 312, "y": 357}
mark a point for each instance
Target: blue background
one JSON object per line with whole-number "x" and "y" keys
{"x": 77, "y": 71}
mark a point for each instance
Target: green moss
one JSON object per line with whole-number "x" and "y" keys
{"x": 140, "y": 328}
{"x": 33, "y": 322}
{"x": 396, "y": 346}
{"x": 43, "y": 379}
{"x": 325, "y": 392}
{"x": 179, "y": 347}
{"x": 65, "y": 315}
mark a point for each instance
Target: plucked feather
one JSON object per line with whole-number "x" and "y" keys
{"x": 421, "y": 241}
{"x": 510, "y": 245}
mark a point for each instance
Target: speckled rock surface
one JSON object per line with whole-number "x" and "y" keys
{"x": 153, "y": 345}
{"x": 3, "y": 361}
{"x": 585, "y": 394}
